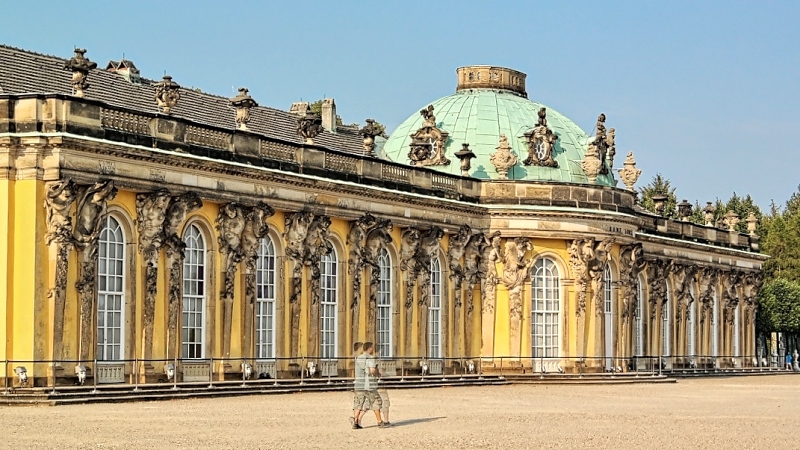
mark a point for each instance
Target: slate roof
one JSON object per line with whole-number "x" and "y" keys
{"x": 22, "y": 72}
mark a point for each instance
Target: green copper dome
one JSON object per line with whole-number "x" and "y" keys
{"x": 479, "y": 116}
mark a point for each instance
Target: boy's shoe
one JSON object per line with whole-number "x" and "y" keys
{"x": 384, "y": 425}
{"x": 356, "y": 426}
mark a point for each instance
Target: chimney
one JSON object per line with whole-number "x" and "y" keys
{"x": 329, "y": 114}
{"x": 299, "y": 108}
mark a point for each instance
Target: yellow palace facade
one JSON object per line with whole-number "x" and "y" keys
{"x": 146, "y": 228}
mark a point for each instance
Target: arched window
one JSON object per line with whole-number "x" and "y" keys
{"x": 329, "y": 284}
{"x": 435, "y": 311}
{"x": 714, "y": 322}
{"x": 265, "y": 299}
{"x": 194, "y": 295}
{"x": 111, "y": 292}
{"x": 692, "y": 322}
{"x": 384, "y": 319}
{"x": 608, "y": 309}
{"x": 665, "y": 331}
{"x": 546, "y": 309}
{"x": 638, "y": 312}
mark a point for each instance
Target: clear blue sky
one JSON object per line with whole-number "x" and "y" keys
{"x": 705, "y": 93}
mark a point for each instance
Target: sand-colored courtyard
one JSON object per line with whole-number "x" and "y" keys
{"x": 733, "y": 412}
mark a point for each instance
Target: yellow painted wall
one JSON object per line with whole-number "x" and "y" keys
{"x": 6, "y": 241}
{"x": 25, "y": 267}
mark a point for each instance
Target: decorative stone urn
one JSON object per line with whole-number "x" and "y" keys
{"x": 752, "y": 222}
{"x": 591, "y": 164}
{"x": 243, "y": 102}
{"x": 731, "y": 220}
{"x": 80, "y": 67}
{"x": 708, "y": 212}
{"x": 465, "y": 155}
{"x": 684, "y": 210}
{"x": 167, "y": 94}
{"x": 629, "y": 174}
{"x": 503, "y": 159}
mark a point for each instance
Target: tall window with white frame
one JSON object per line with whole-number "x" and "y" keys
{"x": 608, "y": 308}
{"x": 665, "y": 331}
{"x": 265, "y": 299}
{"x": 111, "y": 291}
{"x": 546, "y": 309}
{"x": 194, "y": 295}
{"x": 691, "y": 323}
{"x": 435, "y": 311}
{"x": 384, "y": 312}
{"x": 714, "y": 322}
{"x": 638, "y": 314}
{"x": 735, "y": 342}
{"x": 329, "y": 284}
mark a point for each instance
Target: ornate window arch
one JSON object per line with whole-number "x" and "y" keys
{"x": 384, "y": 305}
{"x": 546, "y": 309}
{"x": 329, "y": 304}
{"x": 111, "y": 290}
{"x": 195, "y": 277}
{"x": 435, "y": 311}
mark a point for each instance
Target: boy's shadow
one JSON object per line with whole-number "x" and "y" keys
{"x": 403, "y": 423}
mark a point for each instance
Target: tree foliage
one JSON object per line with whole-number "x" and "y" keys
{"x": 659, "y": 186}
{"x": 779, "y": 306}
{"x": 781, "y": 241}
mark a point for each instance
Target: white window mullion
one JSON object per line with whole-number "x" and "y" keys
{"x": 265, "y": 300}
{"x": 435, "y": 311}
{"x": 111, "y": 292}
{"x": 384, "y": 319}
{"x": 329, "y": 304}
{"x": 194, "y": 292}
{"x": 545, "y": 310}
{"x": 638, "y": 312}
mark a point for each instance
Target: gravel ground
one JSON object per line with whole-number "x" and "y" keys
{"x": 735, "y": 412}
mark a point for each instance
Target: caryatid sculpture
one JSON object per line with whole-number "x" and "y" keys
{"x": 92, "y": 209}
{"x": 516, "y": 268}
{"x": 180, "y": 206}
{"x": 378, "y": 238}
{"x": 355, "y": 262}
{"x": 59, "y": 197}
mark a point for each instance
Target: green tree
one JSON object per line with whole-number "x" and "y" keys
{"x": 742, "y": 207}
{"x": 780, "y": 238}
{"x": 659, "y": 186}
{"x": 779, "y": 307}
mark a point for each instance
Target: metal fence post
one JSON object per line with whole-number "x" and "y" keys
{"x": 94, "y": 376}
{"x": 211, "y": 373}
{"x": 135, "y": 374}
{"x": 5, "y": 377}
{"x": 175, "y": 374}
